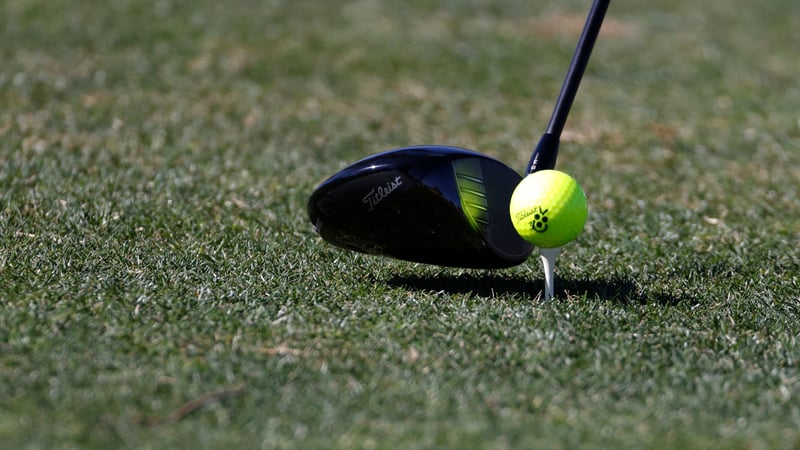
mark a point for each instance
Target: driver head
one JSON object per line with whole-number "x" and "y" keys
{"x": 430, "y": 204}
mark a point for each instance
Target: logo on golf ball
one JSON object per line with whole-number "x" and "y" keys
{"x": 540, "y": 219}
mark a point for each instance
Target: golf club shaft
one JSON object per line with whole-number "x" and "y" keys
{"x": 546, "y": 152}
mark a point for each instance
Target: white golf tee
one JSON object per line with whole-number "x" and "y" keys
{"x": 549, "y": 257}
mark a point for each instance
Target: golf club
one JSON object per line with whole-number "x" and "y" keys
{"x": 441, "y": 205}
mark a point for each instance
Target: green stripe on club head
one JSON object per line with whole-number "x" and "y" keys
{"x": 472, "y": 192}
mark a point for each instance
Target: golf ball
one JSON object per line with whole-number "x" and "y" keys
{"x": 548, "y": 208}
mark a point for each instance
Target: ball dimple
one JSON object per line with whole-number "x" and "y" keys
{"x": 548, "y": 208}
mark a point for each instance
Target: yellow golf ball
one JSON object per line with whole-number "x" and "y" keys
{"x": 548, "y": 208}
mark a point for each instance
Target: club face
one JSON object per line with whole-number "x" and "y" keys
{"x": 431, "y": 204}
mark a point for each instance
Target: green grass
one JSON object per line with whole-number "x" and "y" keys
{"x": 155, "y": 161}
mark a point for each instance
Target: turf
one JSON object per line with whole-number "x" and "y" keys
{"x": 161, "y": 286}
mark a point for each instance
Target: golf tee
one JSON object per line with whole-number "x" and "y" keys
{"x": 549, "y": 257}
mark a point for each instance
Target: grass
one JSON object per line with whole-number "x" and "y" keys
{"x": 161, "y": 286}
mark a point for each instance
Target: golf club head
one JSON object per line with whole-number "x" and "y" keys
{"x": 437, "y": 205}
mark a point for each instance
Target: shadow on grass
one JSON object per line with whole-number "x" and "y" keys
{"x": 620, "y": 290}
